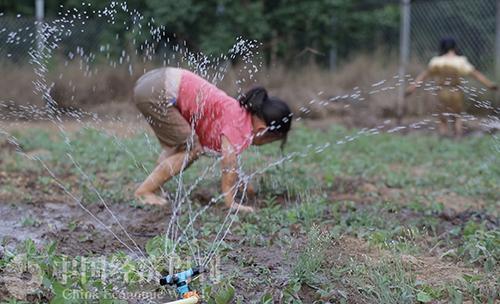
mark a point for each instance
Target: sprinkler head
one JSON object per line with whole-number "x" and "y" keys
{"x": 163, "y": 281}
{"x": 181, "y": 279}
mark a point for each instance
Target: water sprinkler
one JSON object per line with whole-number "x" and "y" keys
{"x": 181, "y": 280}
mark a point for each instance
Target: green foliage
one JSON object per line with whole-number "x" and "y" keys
{"x": 70, "y": 280}
{"x": 266, "y": 299}
{"x": 112, "y": 162}
{"x": 480, "y": 245}
{"x": 427, "y": 293}
{"x": 312, "y": 256}
{"x": 285, "y": 28}
{"x": 386, "y": 282}
{"x": 159, "y": 246}
{"x": 30, "y": 222}
{"x": 222, "y": 293}
{"x": 13, "y": 301}
{"x": 423, "y": 297}
{"x": 291, "y": 291}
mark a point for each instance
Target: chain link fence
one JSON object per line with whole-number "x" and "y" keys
{"x": 471, "y": 22}
{"x": 17, "y": 37}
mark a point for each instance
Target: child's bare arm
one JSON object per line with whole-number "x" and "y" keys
{"x": 483, "y": 79}
{"x": 418, "y": 81}
{"x": 230, "y": 176}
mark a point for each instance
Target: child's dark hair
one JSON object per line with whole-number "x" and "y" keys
{"x": 447, "y": 44}
{"x": 274, "y": 111}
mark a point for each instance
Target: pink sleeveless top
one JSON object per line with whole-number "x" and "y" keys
{"x": 213, "y": 113}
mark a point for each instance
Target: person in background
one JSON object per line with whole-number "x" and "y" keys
{"x": 447, "y": 69}
{"x": 191, "y": 116}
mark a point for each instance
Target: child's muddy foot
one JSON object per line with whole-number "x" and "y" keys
{"x": 151, "y": 199}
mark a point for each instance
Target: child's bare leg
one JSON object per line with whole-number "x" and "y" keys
{"x": 458, "y": 127}
{"x": 443, "y": 125}
{"x": 169, "y": 167}
{"x": 250, "y": 191}
{"x": 165, "y": 153}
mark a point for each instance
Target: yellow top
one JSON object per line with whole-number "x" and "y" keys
{"x": 448, "y": 69}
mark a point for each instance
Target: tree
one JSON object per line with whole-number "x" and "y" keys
{"x": 284, "y": 27}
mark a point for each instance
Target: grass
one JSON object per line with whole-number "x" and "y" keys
{"x": 103, "y": 91}
{"x": 368, "y": 221}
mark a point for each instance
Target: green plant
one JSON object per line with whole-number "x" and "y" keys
{"x": 266, "y": 298}
{"x": 480, "y": 245}
{"x": 386, "y": 282}
{"x": 13, "y": 301}
{"x": 427, "y": 293}
{"x": 312, "y": 256}
{"x": 290, "y": 294}
{"x": 222, "y": 293}
{"x": 30, "y": 222}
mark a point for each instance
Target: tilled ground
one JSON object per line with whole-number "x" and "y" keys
{"x": 256, "y": 261}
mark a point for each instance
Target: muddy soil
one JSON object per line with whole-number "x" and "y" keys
{"x": 75, "y": 230}
{"x": 79, "y": 234}
{"x": 262, "y": 267}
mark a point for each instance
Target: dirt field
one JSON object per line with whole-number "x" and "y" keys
{"x": 384, "y": 218}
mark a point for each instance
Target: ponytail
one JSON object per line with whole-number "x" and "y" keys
{"x": 253, "y": 101}
{"x": 272, "y": 110}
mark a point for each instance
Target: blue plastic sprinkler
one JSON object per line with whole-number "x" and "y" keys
{"x": 181, "y": 280}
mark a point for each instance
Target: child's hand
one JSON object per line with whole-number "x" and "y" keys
{"x": 244, "y": 209}
{"x": 410, "y": 90}
{"x": 250, "y": 190}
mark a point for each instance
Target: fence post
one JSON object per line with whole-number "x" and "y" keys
{"x": 333, "y": 48}
{"x": 497, "y": 43}
{"x": 40, "y": 15}
{"x": 404, "y": 54}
